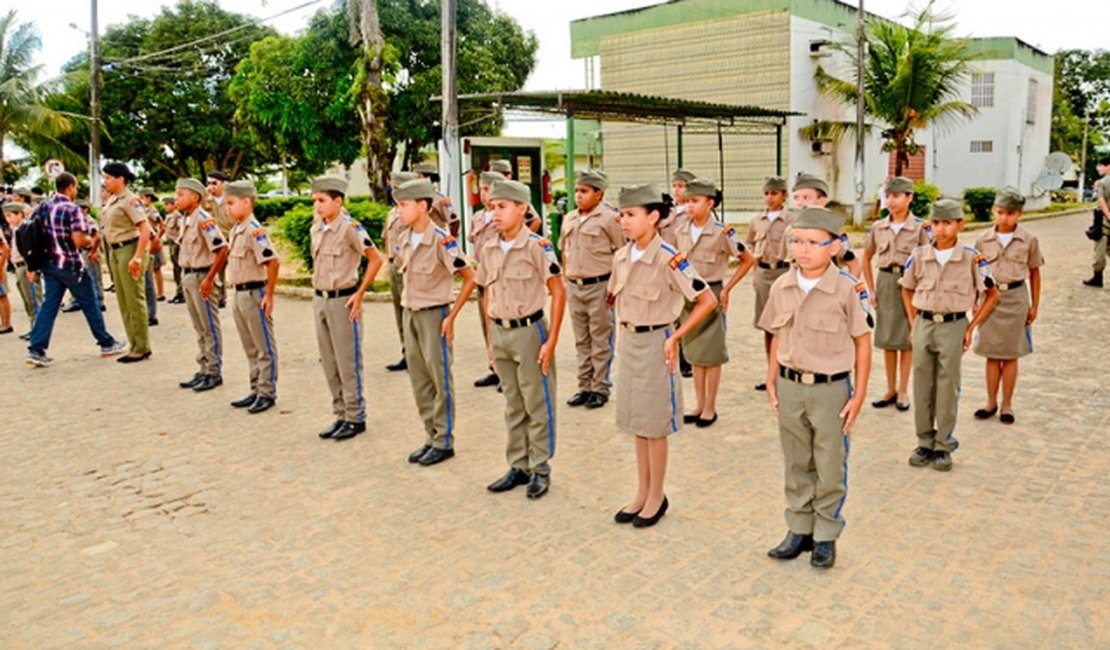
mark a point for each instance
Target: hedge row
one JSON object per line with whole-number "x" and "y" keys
{"x": 295, "y": 225}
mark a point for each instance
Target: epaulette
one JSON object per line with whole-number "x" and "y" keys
{"x": 443, "y": 234}
{"x": 667, "y": 249}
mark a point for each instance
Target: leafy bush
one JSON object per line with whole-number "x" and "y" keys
{"x": 979, "y": 200}
{"x": 924, "y": 195}
{"x": 267, "y": 209}
{"x": 295, "y": 226}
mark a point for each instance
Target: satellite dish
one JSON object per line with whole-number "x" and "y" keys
{"x": 1047, "y": 181}
{"x": 1057, "y": 161}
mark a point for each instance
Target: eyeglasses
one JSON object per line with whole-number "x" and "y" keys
{"x": 810, "y": 243}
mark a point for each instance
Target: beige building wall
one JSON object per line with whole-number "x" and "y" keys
{"x": 742, "y": 60}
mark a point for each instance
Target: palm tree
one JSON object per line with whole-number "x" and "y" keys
{"x": 25, "y": 119}
{"x": 913, "y": 77}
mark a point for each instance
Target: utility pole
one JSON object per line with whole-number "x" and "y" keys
{"x": 1083, "y": 156}
{"x": 449, "y": 159}
{"x": 861, "y": 52}
{"x": 94, "y": 106}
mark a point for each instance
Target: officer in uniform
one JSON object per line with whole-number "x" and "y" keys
{"x": 767, "y": 238}
{"x": 127, "y": 235}
{"x": 589, "y": 237}
{"x": 203, "y": 252}
{"x": 391, "y": 240}
{"x": 172, "y": 231}
{"x": 338, "y": 245}
{"x": 252, "y": 268}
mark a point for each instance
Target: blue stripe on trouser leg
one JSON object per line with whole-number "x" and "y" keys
{"x": 547, "y": 399}
{"x": 674, "y": 398}
{"x": 215, "y": 337}
{"x": 358, "y": 372}
{"x": 449, "y": 440}
{"x": 844, "y": 481}
{"x": 612, "y": 335}
{"x": 269, "y": 345}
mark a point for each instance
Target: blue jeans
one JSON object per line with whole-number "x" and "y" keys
{"x": 80, "y": 286}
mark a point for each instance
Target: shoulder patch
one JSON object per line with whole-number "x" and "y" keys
{"x": 549, "y": 254}
{"x": 734, "y": 238}
{"x": 668, "y": 249}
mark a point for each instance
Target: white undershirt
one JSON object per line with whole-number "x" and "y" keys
{"x": 488, "y": 216}
{"x": 944, "y": 255}
{"x": 415, "y": 237}
{"x": 897, "y": 227}
{"x": 1005, "y": 238}
{"x": 636, "y": 254}
{"x": 774, "y": 215}
{"x": 505, "y": 245}
{"x": 805, "y": 283}
{"x": 695, "y": 233}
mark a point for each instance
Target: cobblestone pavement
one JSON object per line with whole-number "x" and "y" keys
{"x": 136, "y": 514}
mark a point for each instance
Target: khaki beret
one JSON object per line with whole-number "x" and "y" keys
{"x": 512, "y": 191}
{"x": 1009, "y": 198}
{"x": 330, "y": 184}
{"x": 147, "y": 191}
{"x": 774, "y": 184}
{"x": 191, "y": 184}
{"x": 167, "y": 199}
{"x": 241, "y": 189}
{"x": 501, "y": 166}
{"x": 82, "y": 203}
{"x": 899, "y": 184}
{"x": 639, "y": 195}
{"x": 682, "y": 175}
{"x": 419, "y": 188}
{"x": 15, "y": 206}
{"x": 809, "y": 181}
{"x": 594, "y": 178}
{"x": 489, "y": 178}
{"x": 819, "y": 219}
{"x": 947, "y": 210}
{"x": 701, "y": 187}
{"x": 426, "y": 168}
{"x": 400, "y": 178}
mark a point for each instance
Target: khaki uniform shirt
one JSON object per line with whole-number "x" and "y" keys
{"x": 337, "y": 250}
{"x": 1013, "y": 262}
{"x": 588, "y": 242}
{"x": 1102, "y": 186}
{"x": 429, "y": 267}
{"x": 948, "y": 289}
{"x": 769, "y": 238}
{"x": 120, "y": 217}
{"x": 441, "y": 213}
{"x": 250, "y": 250}
{"x": 653, "y": 289}
{"x": 482, "y": 231}
{"x": 669, "y": 226}
{"x": 391, "y": 234}
{"x": 218, "y": 210}
{"x": 174, "y": 224}
{"x": 154, "y": 218}
{"x": 817, "y": 331}
{"x": 200, "y": 240}
{"x": 890, "y": 249}
{"x": 713, "y": 249}
{"x": 516, "y": 281}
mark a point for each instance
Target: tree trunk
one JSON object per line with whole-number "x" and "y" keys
{"x": 366, "y": 32}
{"x": 3, "y": 178}
{"x": 901, "y": 157}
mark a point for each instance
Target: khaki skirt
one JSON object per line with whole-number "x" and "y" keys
{"x": 648, "y": 396}
{"x": 705, "y": 345}
{"x": 892, "y": 328}
{"x": 1004, "y": 335}
{"x": 764, "y": 278}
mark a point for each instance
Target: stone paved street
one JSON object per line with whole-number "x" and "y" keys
{"x": 136, "y": 514}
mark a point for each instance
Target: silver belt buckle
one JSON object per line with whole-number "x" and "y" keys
{"x": 1003, "y": 287}
{"x": 898, "y": 270}
{"x": 938, "y": 318}
{"x": 808, "y": 378}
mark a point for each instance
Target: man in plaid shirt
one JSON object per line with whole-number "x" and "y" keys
{"x": 70, "y": 233}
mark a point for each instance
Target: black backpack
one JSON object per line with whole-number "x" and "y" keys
{"x": 33, "y": 240}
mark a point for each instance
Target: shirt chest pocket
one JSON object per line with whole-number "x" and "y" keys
{"x": 647, "y": 292}
{"x": 826, "y": 330}
{"x": 424, "y": 266}
{"x": 1016, "y": 254}
{"x": 904, "y": 246}
{"x": 519, "y": 273}
{"x": 957, "y": 287}
{"x": 706, "y": 255}
{"x": 781, "y": 320}
{"x": 240, "y": 252}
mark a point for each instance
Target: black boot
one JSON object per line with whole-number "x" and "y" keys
{"x": 1095, "y": 281}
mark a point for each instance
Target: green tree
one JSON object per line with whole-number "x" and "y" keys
{"x": 366, "y": 35}
{"x": 1081, "y": 89}
{"x": 913, "y": 76}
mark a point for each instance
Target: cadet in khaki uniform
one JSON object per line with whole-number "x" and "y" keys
{"x": 651, "y": 282}
{"x": 428, "y": 258}
{"x": 1102, "y": 208}
{"x": 252, "y": 268}
{"x": 153, "y": 275}
{"x": 588, "y": 238}
{"x": 391, "y": 240}
{"x": 514, "y": 269}
{"x": 709, "y": 245}
{"x": 505, "y": 168}
{"x": 172, "y": 231}
{"x": 888, "y": 245}
{"x": 338, "y": 245}
{"x": 482, "y": 231}
{"x": 27, "y": 283}
{"x": 767, "y": 238}
{"x": 1015, "y": 259}
{"x": 127, "y": 234}
{"x": 809, "y": 190}
{"x": 203, "y": 252}
{"x": 678, "y": 216}
{"x": 214, "y": 205}
{"x": 939, "y": 286}
{"x": 443, "y": 213}
{"x": 820, "y": 320}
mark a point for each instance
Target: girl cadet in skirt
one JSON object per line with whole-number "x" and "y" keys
{"x": 650, "y": 282}
{"x": 1015, "y": 260}
{"x": 709, "y": 245}
{"x": 889, "y": 244}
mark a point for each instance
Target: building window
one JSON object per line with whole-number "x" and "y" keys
{"x": 982, "y": 146}
{"x": 1031, "y": 105}
{"x": 982, "y": 89}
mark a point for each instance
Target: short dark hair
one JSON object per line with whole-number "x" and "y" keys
{"x": 64, "y": 181}
{"x": 334, "y": 194}
{"x": 427, "y": 202}
{"x": 37, "y": 191}
{"x": 1105, "y": 160}
{"x": 217, "y": 174}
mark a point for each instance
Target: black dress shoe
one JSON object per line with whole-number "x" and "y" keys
{"x": 415, "y": 456}
{"x": 134, "y": 358}
{"x": 623, "y": 517}
{"x": 761, "y": 386}
{"x": 596, "y": 401}
{"x": 983, "y": 414}
{"x": 7, "y": 330}
{"x": 25, "y": 337}
{"x": 703, "y": 423}
{"x": 824, "y": 555}
{"x": 434, "y": 456}
{"x": 489, "y": 380}
{"x": 580, "y": 398}
{"x": 885, "y": 402}
{"x": 263, "y": 403}
{"x": 330, "y": 431}
{"x": 152, "y": 322}
{"x": 177, "y": 300}
{"x": 71, "y": 307}
{"x": 189, "y": 383}
{"x": 510, "y": 480}
{"x": 902, "y": 407}
{"x": 641, "y": 522}
{"x": 349, "y": 430}
{"x": 537, "y": 486}
{"x": 921, "y": 457}
{"x": 690, "y": 419}
{"x": 208, "y": 383}
{"x": 403, "y": 364}
{"x": 687, "y": 371}
{"x": 239, "y": 403}
{"x": 161, "y": 299}
{"x": 791, "y": 546}
{"x": 1006, "y": 418}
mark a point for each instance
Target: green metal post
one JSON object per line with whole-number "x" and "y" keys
{"x": 680, "y": 146}
{"x": 778, "y": 150}
{"x": 570, "y": 175}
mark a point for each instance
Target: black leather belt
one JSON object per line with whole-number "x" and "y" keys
{"x": 338, "y": 293}
{"x": 198, "y": 269}
{"x": 1011, "y": 285}
{"x": 896, "y": 270}
{"x": 640, "y": 329}
{"x": 123, "y": 243}
{"x": 942, "y": 318}
{"x": 431, "y": 307}
{"x": 716, "y": 284}
{"x": 511, "y": 323}
{"x": 585, "y": 282}
{"x": 810, "y": 377}
{"x": 19, "y": 265}
{"x": 247, "y": 286}
{"x": 775, "y": 266}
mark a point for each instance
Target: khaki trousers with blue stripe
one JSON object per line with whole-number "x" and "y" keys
{"x": 815, "y": 454}
{"x": 529, "y": 395}
{"x": 592, "y": 319}
{"x": 429, "y": 358}
{"x": 340, "y": 343}
{"x": 256, "y": 333}
{"x": 938, "y": 350}
{"x": 206, "y": 323}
